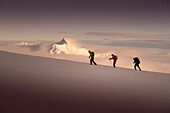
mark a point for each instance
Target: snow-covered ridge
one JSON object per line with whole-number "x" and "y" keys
{"x": 61, "y": 82}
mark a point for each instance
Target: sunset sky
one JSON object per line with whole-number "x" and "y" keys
{"x": 50, "y": 19}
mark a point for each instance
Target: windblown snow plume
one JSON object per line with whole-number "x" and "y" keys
{"x": 68, "y": 46}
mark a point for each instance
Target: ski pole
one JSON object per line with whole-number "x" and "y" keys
{"x": 110, "y": 62}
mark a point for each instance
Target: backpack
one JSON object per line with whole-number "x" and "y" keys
{"x": 136, "y": 60}
{"x": 116, "y": 57}
{"x": 92, "y": 53}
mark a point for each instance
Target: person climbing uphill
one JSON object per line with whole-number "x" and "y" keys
{"x": 91, "y": 57}
{"x": 115, "y": 58}
{"x": 136, "y": 62}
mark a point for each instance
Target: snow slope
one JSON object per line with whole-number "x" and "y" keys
{"x": 152, "y": 59}
{"x": 31, "y": 84}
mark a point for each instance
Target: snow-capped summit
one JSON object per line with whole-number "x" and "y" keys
{"x": 63, "y": 41}
{"x": 68, "y": 46}
{"x": 24, "y": 43}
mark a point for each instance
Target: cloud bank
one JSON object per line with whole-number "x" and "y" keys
{"x": 161, "y": 41}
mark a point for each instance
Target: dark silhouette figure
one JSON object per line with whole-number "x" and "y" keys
{"x": 114, "y": 57}
{"x": 136, "y": 62}
{"x": 92, "y": 58}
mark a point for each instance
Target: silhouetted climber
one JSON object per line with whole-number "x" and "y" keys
{"x": 115, "y": 58}
{"x": 136, "y": 62}
{"x": 92, "y": 57}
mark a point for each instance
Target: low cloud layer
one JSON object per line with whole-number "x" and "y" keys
{"x": 129, "y": 40}
{"x": 162, "y": 44}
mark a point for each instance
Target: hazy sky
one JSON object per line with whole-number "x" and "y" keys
{"x": 43, "y": 19}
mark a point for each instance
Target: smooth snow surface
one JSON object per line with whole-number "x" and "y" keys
{"x": 31, "y": 84}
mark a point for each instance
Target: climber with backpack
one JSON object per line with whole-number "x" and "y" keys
{"x": 136, "y": 62}
{"x": 115, "y": 58}
{"x": 91, "y": 57}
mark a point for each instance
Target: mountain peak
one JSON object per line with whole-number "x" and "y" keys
{"x": 68, "y": 46}
{"x": 63, "y": 41}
